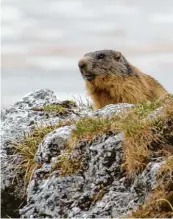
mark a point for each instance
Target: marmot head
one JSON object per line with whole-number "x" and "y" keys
{"x": 103, "y": 62}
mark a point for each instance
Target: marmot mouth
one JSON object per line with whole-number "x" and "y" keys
{"x": 89, "y": 76}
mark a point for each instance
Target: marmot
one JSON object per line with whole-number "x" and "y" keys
{"x": 111, "y": 79}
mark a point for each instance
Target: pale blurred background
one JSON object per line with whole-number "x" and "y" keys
{"x": 42, "y": 41}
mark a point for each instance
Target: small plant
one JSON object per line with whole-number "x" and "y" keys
{"x": 27, "y": 150}
{"x": 54, "y": 108}
{"x": 88, "y": 128}
{"x": 166, "y": 171}
{"x": 69, "y": 163}
{"x": 28, "y": 147}
{"x": 159, "y": 205}
{"x": 69, "y": 104}
{"x": 60, "y": 108}
{"x": 143, "y": 110}
{"x": 140, "y": 133}
{"x": 144, "y": 136}
{"x": 160, "y": 202}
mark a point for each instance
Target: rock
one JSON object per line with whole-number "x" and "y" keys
{"x": 18, "y": 120}
{"x": 76, "y": 191}
{"x": 147, "y": 180}
{"x": 99, "y": 190}
{"x": 113, "y": 109}
{"x": 52, "y": 144}
{"x": 99, "y": 187}
{"x": 157, "y": 113}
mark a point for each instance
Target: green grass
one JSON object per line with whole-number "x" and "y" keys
{"x": 143, "y": 110}
{"x": 160, "y": 201}
{"x": 139, "y": 133}
{"x": 54, "y": 108}
{"x": 158, "y": 205}
{"x": 69, "y": 163}
{"x": 61, "y": 108}
{"x": 88, "y": 128}
{"x": 27, "y": 149}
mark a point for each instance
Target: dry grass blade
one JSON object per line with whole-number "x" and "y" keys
{"x": 162, "y": 199}
{"x": 27, "y": 150}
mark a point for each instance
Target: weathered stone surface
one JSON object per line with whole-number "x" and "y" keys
{"x": 113, "y": 109}
{"x": 52, "y": 144}
{"x": 18, "y": 120}
{"x": 100, "y": 188}
{"x": 20, "y": 117}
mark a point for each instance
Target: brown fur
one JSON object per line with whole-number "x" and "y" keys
{"x": 112, "y": 89}
{"x": 112, "y": 83}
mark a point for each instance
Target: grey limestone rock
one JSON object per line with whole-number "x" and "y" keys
{"x": 100, "y": 188}
{"x": 16, "y": 121}
{"x": 113, "y": 109}
{"x": 52, "y": 144}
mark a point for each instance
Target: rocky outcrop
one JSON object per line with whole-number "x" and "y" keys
{"x": 17, "y": 121}
{"x": 100, "y": 188}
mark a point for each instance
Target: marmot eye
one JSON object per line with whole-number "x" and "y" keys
{"x": 101, "y": 56}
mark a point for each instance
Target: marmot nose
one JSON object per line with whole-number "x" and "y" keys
{"x": 82, "y": 63}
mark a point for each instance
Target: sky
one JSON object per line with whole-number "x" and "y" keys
{"x": 42, "y": 42}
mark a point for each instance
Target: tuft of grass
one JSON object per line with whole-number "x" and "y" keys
{"x": 160, "y": 202}
{"x": 142, "y": 135}
{"x": 27, "y": 149}
{"x": 159, "y": 205}
{"x": 168, "y": 106}
{"x": 165, "y": 173}
{"x": 144, "y": 109}
{"x": 69, "y": 163}
{"x": 54, "y": 108}
{"x": 88, "y": 128}
{"x": 69, "y": 104}
{"x": 138, "y": 135}
{"x": 60, "y": 108}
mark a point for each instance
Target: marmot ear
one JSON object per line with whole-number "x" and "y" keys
{"x": 117, "y": 55}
